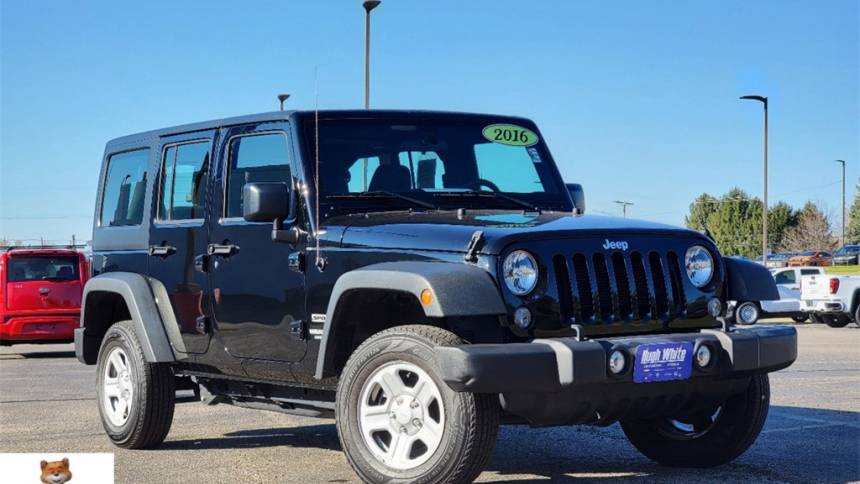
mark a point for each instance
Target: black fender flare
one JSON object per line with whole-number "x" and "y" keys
{"x": 148, "y": 307}
{"x": 458, "y": 290}
{"x": 749, "y": 281}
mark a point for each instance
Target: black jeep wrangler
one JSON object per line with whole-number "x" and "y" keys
{"x": 423, "y": 277}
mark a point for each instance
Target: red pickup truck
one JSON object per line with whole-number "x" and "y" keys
{"x": 40, "y": 294}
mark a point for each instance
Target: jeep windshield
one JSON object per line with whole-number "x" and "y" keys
{"x": 423, "y": 161}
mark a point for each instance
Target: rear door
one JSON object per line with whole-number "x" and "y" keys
{"x": 258, "y": 299}
{"x": 179, "y": 233}
{"x": 788, "y": 281}
{"x": 44, "y": 281}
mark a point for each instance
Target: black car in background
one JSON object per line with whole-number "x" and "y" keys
{"x": 846, "y": 255}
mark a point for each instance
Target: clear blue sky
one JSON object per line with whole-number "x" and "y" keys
{"x": 638, "y": 100}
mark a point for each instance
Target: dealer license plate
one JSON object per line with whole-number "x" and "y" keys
{"x": 663, "y": 362}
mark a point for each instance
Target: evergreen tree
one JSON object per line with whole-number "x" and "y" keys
{"x": 852, "y": 231}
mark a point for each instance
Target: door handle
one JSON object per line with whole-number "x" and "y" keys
{"x": 223, "y": 250}
{"x": 162, "y": 250}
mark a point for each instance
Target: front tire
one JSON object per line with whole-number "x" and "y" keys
{"x": 399, "y": 422}
{"x": 710, "y": 439}
{"x": 135, "y": 398}
{"x": 747, "y": 313}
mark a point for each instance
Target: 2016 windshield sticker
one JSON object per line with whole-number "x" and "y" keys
{"x": 510, "y": 134}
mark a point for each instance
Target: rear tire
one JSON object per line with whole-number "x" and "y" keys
{"x": 799, "y": 319}
{"x": 394, "y": 375}
{"x": 747, "y": 313}
{"x": 135, "y": 398}
{"x": 836, "y": 321}
{"x": 714, "y": 438}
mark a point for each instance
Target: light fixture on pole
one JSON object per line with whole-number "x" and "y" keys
{"x": 763, "y": 100}
{"x": 843, "y": 199}
{"x": 624, "y": 206}
{"x": 282, "y": 98}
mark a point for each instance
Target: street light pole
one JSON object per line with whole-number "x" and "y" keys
{"x": 843, "y": 199}
{"x": 763, "y": 100}
{"x": 368, "y": 6}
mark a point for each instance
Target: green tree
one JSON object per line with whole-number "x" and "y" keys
{"x": 735, "y": 224}
{"x": 780, "y": 218}
{"x": 852, "y": 231}
{"x": 700, "y": 210}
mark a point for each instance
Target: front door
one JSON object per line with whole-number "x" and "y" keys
{"x": 179, "y": 234}
{"x": 258, "y": 301}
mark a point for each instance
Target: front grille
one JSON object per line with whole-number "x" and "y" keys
{"x": 617, "y": 287}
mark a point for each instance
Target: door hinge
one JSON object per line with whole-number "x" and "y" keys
{"x": 297, "y": 329}
{"x": 202, "y": 325}
{"x": 296, "y": 261}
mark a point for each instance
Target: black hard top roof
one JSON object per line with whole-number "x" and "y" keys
{"x": 276, "y": 116}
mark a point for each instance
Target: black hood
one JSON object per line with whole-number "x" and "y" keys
{"x": 446, "y": 231}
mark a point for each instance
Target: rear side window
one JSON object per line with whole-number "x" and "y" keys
{"x": 124, "y": 189}
{"x": 809, "y": 272}
{"x": 255, "y": 158}
{"x": 42, "y": 268}
{"x": 183, "y": 174}
{"x": 785, "y": 277}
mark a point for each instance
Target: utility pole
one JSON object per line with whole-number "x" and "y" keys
{"x": 624, "y": 206}
{"x": 843, "y": 199}
{"x": 763, "y": 100}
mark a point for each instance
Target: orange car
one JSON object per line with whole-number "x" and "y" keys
{"x": 811, "y": 258}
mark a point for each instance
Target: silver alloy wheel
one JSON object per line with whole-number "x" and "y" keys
{"x": 747, "y": 313}
{"x": 401, "y": 415}
{"x": 117, "y": 387}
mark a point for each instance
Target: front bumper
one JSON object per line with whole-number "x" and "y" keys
{"x": 562, "y": 380}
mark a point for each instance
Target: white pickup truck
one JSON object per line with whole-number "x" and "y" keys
{"x": 788, "y": 281}
{"x": 833, "y": 300}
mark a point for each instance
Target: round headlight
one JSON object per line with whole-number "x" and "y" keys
{"x": 699, "y": 265}
{"x": 520, "y": 272}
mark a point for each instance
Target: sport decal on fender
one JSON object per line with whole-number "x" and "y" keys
{"x": 510, "y": 134}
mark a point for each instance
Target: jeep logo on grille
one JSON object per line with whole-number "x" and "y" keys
{"x": 615, "y": 244}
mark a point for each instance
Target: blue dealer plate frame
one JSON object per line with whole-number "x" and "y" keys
{"x": 663, "y": 362}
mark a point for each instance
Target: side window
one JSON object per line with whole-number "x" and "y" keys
{"x": 124, "y": 189}
{"x": 183, "y": 177}
{"x": 255, "y": 158}
{"x": 785, "y": 277}
{"x": 511, "y": 168}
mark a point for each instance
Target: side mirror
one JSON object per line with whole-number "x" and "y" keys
{"x": 577, "y": 194}
{"x": 270, "y": 202}
{"x": 265, "y": 201}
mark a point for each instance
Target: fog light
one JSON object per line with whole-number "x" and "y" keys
{"x": 617, "y": 362}
{"x": 703, "y": 356}
{"x": 523, "y": 317}
{"x": 715, "y": 307}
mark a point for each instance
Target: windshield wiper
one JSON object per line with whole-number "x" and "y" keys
{"x": 473, "y": 193}
{"x": 384, "y": 194}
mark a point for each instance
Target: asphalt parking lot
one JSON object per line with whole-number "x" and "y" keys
{"x": 812, "y": 433}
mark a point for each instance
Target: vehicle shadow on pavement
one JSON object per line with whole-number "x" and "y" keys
{"x": 792, "y": 439}
{"x": 37, "y": 355}
{"x": 316, "y": 436}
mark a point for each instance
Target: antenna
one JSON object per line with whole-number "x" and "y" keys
{"x": 282, "y": 98}
{"x": 624, "y": 205}
{"x": 320, "y": 260}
